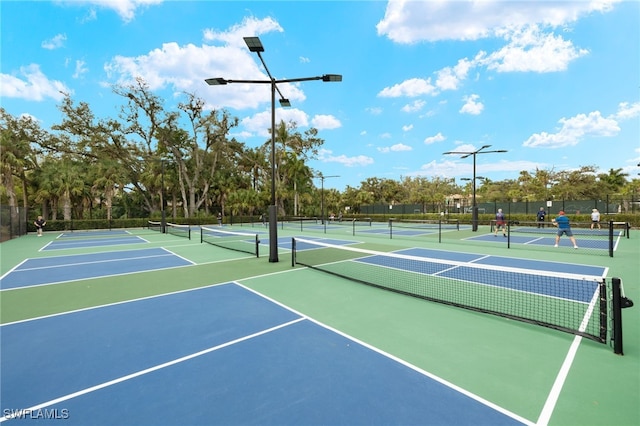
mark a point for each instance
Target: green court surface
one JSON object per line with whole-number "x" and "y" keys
{"x": 526, "y": 369}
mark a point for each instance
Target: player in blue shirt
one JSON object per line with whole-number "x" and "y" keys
{"x": 564, "y": 227}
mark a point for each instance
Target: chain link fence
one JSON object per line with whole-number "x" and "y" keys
{"x": 13, "y": 222}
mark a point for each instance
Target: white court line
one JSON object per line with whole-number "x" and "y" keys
{"x": 554, "y": 394}
{"x": 12, "y": 269}
{"x": 398, "y": 360}
{"x": 98, "y": 261}
{"x": 92, "y": 278}
{"x": 146, "y": 297}
{"x": 535, "y": 240}
{"x": 145, "y": 371}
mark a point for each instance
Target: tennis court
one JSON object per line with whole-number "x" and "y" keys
{"x": 206, "y": 335}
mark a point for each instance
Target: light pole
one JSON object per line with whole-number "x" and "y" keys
{"x": 469, "y": 180}
{"x": 255, "y": 45}
{"x": 322, "y": 178}
{"x": 474, "y": 207}
{"x": 163, "y": 215}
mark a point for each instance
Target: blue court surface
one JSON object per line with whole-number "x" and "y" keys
{"x": 216, "y": 355}
{"x": 511, "y": 262}
{"x": 573, "y": 289}
{"x": 86, "y": 239}
{"x": 57, "y": 269}
{"x": 544, "y": 240}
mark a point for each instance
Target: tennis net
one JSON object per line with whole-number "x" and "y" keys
{"x": 154, "y": 226}
{"x": 238, "y": 241}
{"x": 593, "y": 241}
{"x": 425, "y": 224}
{"x": 572, "y": 303}
{"x": 178, "y": 230}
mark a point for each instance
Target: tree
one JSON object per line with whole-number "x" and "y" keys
{"x": 17, "y": 156}
{"x": 303, "y": 147}
{"x": 614, "y": 180}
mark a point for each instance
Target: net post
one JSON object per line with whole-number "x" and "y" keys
{"x": 293, "y": 252}
{"x": 189, "y": 233}
{"x": 353, "y": 223}
{"x": 390, "y": 229}
{"x": 611, "y": 238}
{"x": 440, "y": 230}
{"x": 604, "y": 310}
{"x": 257, "y": 246}
{"x": 617, "y": 316}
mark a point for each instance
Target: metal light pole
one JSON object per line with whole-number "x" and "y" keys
{"x": 255, "y": 45}
{"x": 474, "y": 207}
{"x": 163, "y": 216}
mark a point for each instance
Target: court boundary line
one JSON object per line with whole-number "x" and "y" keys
{"x": 89, "y": 263}
{"x": 89, "y": 231}
{"x": 168, "y": 253}
{"x": 394, "y": 358}
{"x": 484, "y": 256}
{"x": 13, "y": 269}
{"x": 146, "y": 371}
{"x": 554, "y": 394}
{"x": 144, "y": 297}
{"x": 79, "y": 246}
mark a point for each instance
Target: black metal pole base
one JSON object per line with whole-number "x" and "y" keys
{"x": 474, "y": 219}
{"x": 273, "y": 234}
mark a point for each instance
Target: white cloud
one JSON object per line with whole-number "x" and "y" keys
{"x": 407, "y": 128}
{"x": 627, "y": 111}
{"x": 54, "y": 43}
{"x": 464, "y": 168}
{"x": 126, "y": 9}
{"x": 34, "y": 86}
{"x": 411, "y": 88}
{"x": 260, "y": 123}
{"x": 399, "y": 147}
{"x": 450, "y": 78}
{"x": 374, "y": 110}
{"x": 407, "y": 21}
{"x": 472, "y": 106}
{"x": 80, "y": 69}
{"x": 433, "y": 139}
{"x": 573, "y": 130}
{"x": 415, "y": 106}
{"x": 327, "y": 156}
{"x": 530, "y": 50}
{"x": 183, "y": 68}
{"x": 322, "y": 122}
{"x": 234, "y": 36}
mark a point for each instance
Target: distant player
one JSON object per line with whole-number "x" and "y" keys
{"x": 595, "y": 219}
{"x": 40, "y": 223}
{"x": 541, "y": 216}
{"x": 500, "y": 223}
{"x": 564, "y": 228}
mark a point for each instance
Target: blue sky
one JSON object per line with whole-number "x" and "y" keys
{"x": 557, "y": 84}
